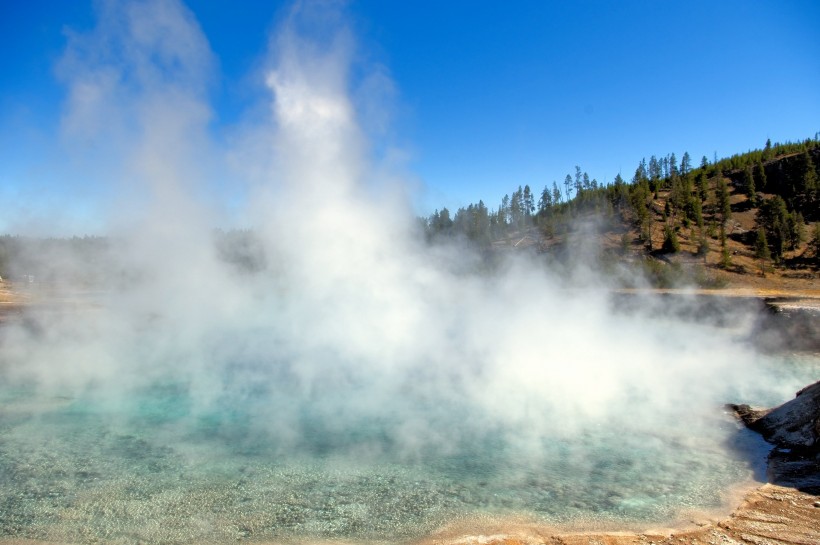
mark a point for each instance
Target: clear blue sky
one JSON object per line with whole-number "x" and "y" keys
{"x": 490, "y": 95}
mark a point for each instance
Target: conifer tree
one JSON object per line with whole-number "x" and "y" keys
{"x": 579, "y": 182}
{"x": 795, "y": 229}
{"x": 749, "y": 184}
{"x": 767, "y": 151}
{"x": 762, "y": 250}
{"x": 517, "y": 208}
{"x": 694, "y": 212}
{"x": 703, "y": 246}
{"x": 685, "y": 164}
{"x": 545, "y": 202}
{"x": 638, "y": 200}
{"x": 772, "y": 217}
{"x": 654, "y": 171}
{"x": 640, "y": 172}
{"x": 760, "y": 177}
{"x": 807, "y": 183}
{"x": 724, "y": 208}
{"x": 815, "y": 241}
{"x": 568, "y": 187}
{"x": 725, "y": 258}
{"x": 670, "y": 240}
{"x": 529, "y": 202}
{"x": 702, "y": 185}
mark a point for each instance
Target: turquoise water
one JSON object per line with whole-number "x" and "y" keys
{"x": 153, "y": 466}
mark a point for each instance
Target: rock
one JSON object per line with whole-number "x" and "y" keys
{"x": 748, "y": 414}
{"x": 793, "y": 425}
{"x": 794, "y": 429}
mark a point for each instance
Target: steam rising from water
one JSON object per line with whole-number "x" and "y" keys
{"x": 352, "y": 340}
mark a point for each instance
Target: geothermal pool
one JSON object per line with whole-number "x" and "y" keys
{"x": 152, "y": 467}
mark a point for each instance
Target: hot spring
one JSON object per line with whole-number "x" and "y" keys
{"x": 253, "y": 449}
{"x": 327, "y": 372}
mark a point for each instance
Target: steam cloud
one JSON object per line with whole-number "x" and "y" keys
{"x": 350, "y": 315}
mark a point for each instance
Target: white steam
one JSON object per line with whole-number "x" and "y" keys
{"x": 351, "y": 313}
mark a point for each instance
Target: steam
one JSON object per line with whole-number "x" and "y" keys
{"x": 349, "y": 315}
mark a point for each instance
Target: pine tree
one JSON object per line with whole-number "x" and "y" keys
{"x": 670, "y": 240}
{"x": 815, "y": 241}
{"x": 638, "y": 197}
{"x": 640, "y": 172}
{"x": 673, "y": 164}
{"x": 702, "y": 186}
{"x": 807, "y": 184}
{"x": 482, "y": 223}
{"x": 545, "y": 202}
{"x": 694, "y": 212}
{"x": 724, "y": 208}
{"x": 762, "y": 250}
{"x": 725, "y": 258}
{"x": 760, "y": 181}
{"x": 795, "y": 229}
{"x": 703, "y": 246}
{"x": 568, "y": 187}
{"x": 579, "y": 182}
{"x": 654, "y": 171}
{"x": 517, "y": 208}
{"x": 749, "y": 184}
{"x": 685, "y": 164}
{"x": 767, "y": 151}
{"x": 440, "y": 222}
{"x": 772, "y": 217}
{"x": 529, "y": 202}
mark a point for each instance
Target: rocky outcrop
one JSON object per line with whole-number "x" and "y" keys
{"x": 794, "y": 429}
{"x": 795, "y": 424}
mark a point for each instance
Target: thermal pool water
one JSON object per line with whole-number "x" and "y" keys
{"x": 152, "y": 468}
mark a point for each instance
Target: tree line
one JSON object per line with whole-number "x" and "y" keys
{"x": 780, "y": 180}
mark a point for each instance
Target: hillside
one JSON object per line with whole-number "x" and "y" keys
{"x": 749, "y": 221}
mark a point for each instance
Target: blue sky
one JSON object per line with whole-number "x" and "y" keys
{"x": 489, "y": 95}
